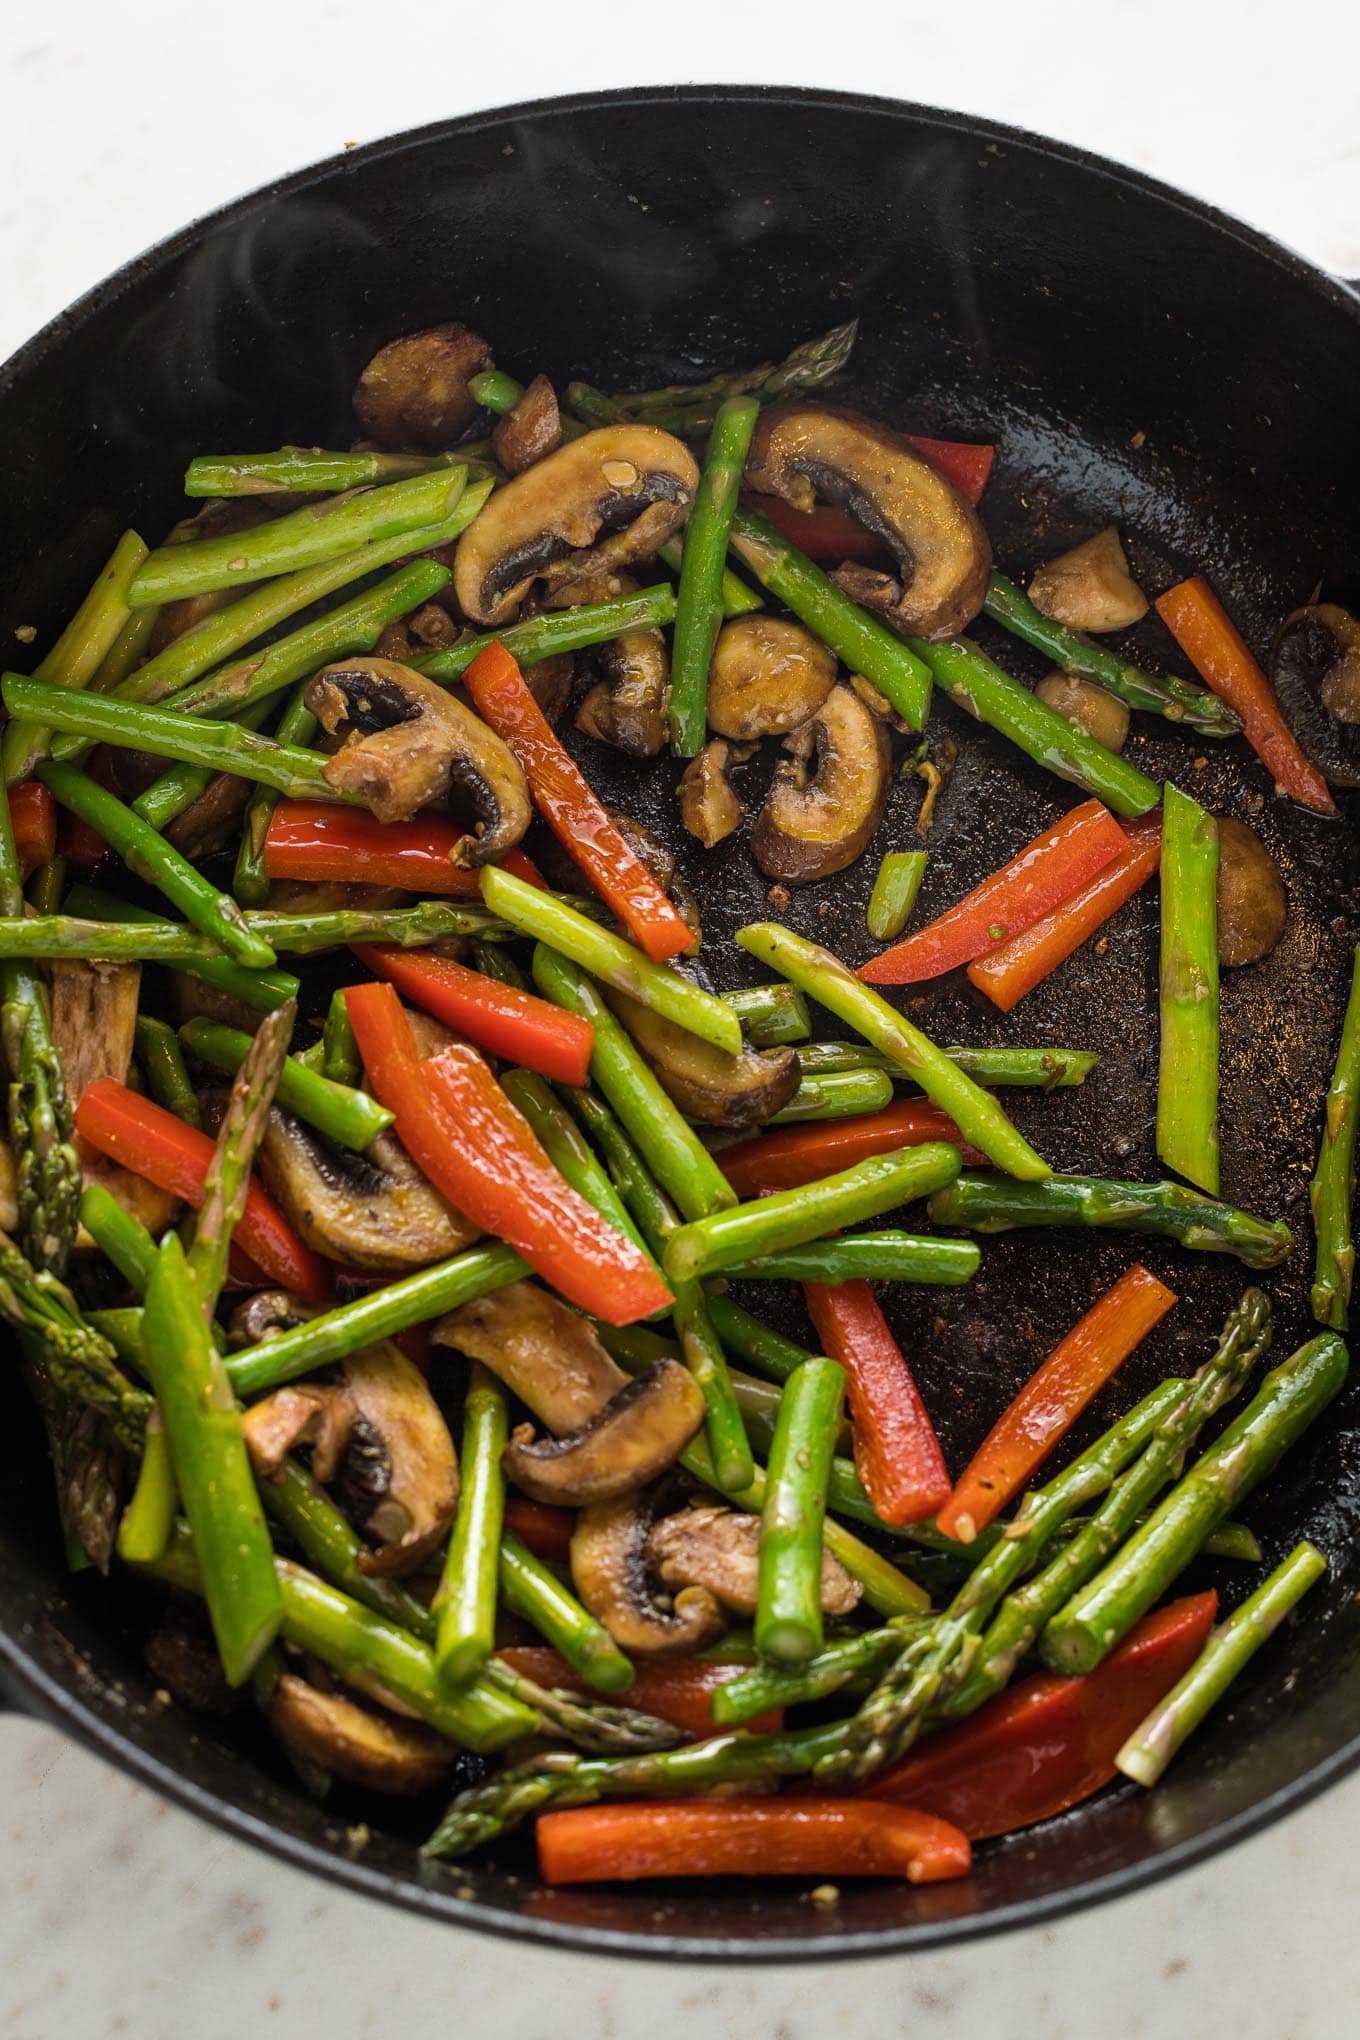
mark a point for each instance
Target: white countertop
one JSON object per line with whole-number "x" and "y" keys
{"x": 119, "y": 1913}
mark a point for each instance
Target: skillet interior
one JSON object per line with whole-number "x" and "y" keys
{"x": 1011, "y": 291}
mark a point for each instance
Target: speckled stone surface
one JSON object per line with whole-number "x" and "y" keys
{"x": 119, "y": 1914}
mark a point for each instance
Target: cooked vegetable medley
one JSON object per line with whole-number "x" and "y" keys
{"x": 390, "y": 1158}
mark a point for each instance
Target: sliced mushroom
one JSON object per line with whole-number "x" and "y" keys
{"x": 719, "y": 1549}
{"x": 638, "y": 1434}
{"x": 94, "y": 1024}
{"x": 1317, "y": 680}
{"x": 184, "y": 1660}
{"x": 9, "y": 1189}
{"x": 552, "y": 682}
{"x": 212, "y": 820}
{"x": 1252, "y": 908}
{"x": 878, "y": 704}
{"x": 709, "y": 807}
{"x": 529, "y": 432}
{"x": 607, "y": 498}
{"x": 732, "y": 1091}
{"x": 627, "y": 706}
{"x": 1094, "y": 709}
{"x": 331, "y": 896}
{"x": 547, "y": 1355}
{"x": 192, "y": 1000}
{"x": 302, "y": 1413}
{"x": 1090, "y": 587}
{"x": 366, "y": 1749}
{"x": 828, "y": 796}
{"x": 373, "y": 1210}
{"x": 414, "y": 392}
{"x": 432, "y": 626}
{"x": 409, "y": 743}
{"x": 266, "y": 1315}
{"x": 767, "y": 676}
{"x": 609, "y": 1571}
{"x": 803, "y": 450}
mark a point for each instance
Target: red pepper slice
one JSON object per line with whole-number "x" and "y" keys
{"x": 794, "y": 1155}
{"x": 1053, "y": 1398}
{"x": 897, "y": 1454}
{"x": 547, "y": 1533}
{"x": 570, "y": 809}
{"x": 1215, "y": 648}
{"x": 1047, "y": 871}
{"x": 681, "y": 1693}
{"x": 151, "y": 1142}
{"x": 748, "y": 1838}
{"x": 512, "y": 1024}
{"x": 317, "y": 841}
{"x": 1020, "y": 964}
{"x": 963, "y": 462}
{"x": 462, "y": 1131}
{"x": 1049, "y": 1742}
{"x": 33, "y": 822}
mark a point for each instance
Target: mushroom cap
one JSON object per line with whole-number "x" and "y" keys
{"x": 609, "y": 1571}
{"x": 414, "y": 392}
{"x": 828, "y": 795}
{"x": 768, "y": 675}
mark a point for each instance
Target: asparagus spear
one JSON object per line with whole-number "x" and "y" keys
{"x": 836, "y": 1094}
{"x": 341, "y": 1062}
{"x": 116, "y": 1233}
{"x": 347, "y": 1116}
{"x": 866, "y": 1257}
{"x": 1187, "y": 1075}
{"x": 71, "y": 1354}
{"x": 297, "y": 725}
{"x": 1232, "y": 1645}
{"x": 788, "y": 1623}
{"x": 466, "y": 1600}
{"x": 532, "y": 1589}
{"x": 687, "y": 407}
{"x": 698, "y": 607}
{"x": 1178, "y": 700}
{"x": 894, "y": 894}
{"x": 303, "y": 468}
{"x": 825, "y": 978}
{"x": 770, "y": 1014}
{"x": 1104, "y": 1610}
{"x": 1333, "y": 1189}
{"x": 148, "y": 939}
{"x": 992, "y": 1204}
{"x": 162, "y": 1062}
{"x": 228, "y": 1179}
{"x": 76, "y": 656}
{"x": 149, "y": 1519}
{"x": 766, "y": 1687}
{"x": 1045, "y": 1069}
{"x": 47, "y": 1171}
{"x": 261, "y": 989}
{"x": 565, "y": 1148}
{"x": 562, "y": 630}
{"x": 170, "y": 796}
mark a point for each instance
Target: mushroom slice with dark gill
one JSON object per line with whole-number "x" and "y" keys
{"x": 529, "y": 432}
{"x": 609, "y": 1572}
{"x": 718, "y": 1549}
{"x": 1252, "y": 908}
{"x": 1090, "y": 587}
{"x": 94, "y": 1025}
{"x": 627, "y": 705}
{"x": 546, "y": 1354}
{"x": 1317, "y": 682}
{"x": 732, "y": 1091}
{"x": 268, "y": 1314}
{"x": 801, "y": 451}
{"x": 610, "y": 497}
{"x": 828, "y": 795}
{"x": 414, "y": 392}
{"x": 709, "y": 807}
{"x": 767, "y": 676}
{"x": 408, "y": 743}
{"x": 1092, "y": 708}
{"x": 373, "y": 1210}
{"x": 364, "y": 1748}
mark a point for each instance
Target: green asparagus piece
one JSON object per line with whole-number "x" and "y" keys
{"x": 867, "y": 1257}
{"x": 1232, "y": 1645}
{"x": 1333, "y": 1187}
{"x": 770, "y": 1014}
{"x": 170, "y": 796}
{"x": 861, "y": 641}
{"x": 836, "y": 1094}
{"x": 303, "y": 468}
{"x": 1045, "y": 1069}
{"x": 260, "y": 989}
{"x": 163, "y": 1064}
{"x": 297, "y": 725}
{"x": 69, "y": 1351}
{"x": 993, "y": 1204}
{"x": 1104, "y": 1610}
{"x": 304, "y": 538}
{"x": 978, "y": 685}
{"x": 561, "y": 630}
{"x": 894, "y": 894}
{"x": 566, "y": 1149}
{"x": 532, "y": 1590}
{"x": 47, "y": 1170}
{"x": 1187, "y": 1075}
{"x": 825, "y": 978}
{"x": 766, "y": 1687}
{"x": 76, "y": 656}
{"x": 495, "y": 391}
{"x": 1178, "y": 700}
{"x": 340, "y": 1059}
{"x": 149, "y": 1517}
{"x": 151, "y": 940}
{"x": 124, "y": 655}
{"x": 331, "y": 1546}
{"x": 589, "y": 404}
{"x": 698, "y": 605}
{"x": 687, "y": 407}
{"x": 228, "y": 1179}
{"x": 791, "y": 1218}
{"x": 348, "y": 1117}
{"x": 1233, "y": 1541}
{"x": 788, "y": 1621}
{"x": 735, "y": 597}
{"x": 118, "y": 1235}
{"x": 750, "y": 1340}
{"x": 466, "y": 1600}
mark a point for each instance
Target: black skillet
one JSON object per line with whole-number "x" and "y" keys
{"x": 1136, "y": 356}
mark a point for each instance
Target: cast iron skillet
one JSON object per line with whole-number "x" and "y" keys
{"x": 1135, "y": 355}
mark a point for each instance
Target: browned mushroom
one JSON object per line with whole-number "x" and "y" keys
{"x": 732, "y": 1091}
{"x": 94, "y": 1024}
{"x": 1252, "y": 908}
{"x": 414, "y": 392}
{"x": 529, "y": 432}
{"x": 638, "y": 1434}
{"x": 607, "y": 498}
{"x": 1090, "y": 587}
{"x": 717, "y": 1548}
{"x": 657, "y": 858}
{"x": 367, "y": 1749}
{"x": 767, "y": 676}
{"x": 410, "y": 743}
{"x": 374, "y": 1210}
{"x": 433, "y": 627}
{"x": 609, "y": 1571}
{"x": 267, "y": 1315}
{"x": 802, "y": 450}
{"x": 546, "y": 1354}
{"x": 627, "y": 706}
{"x": 332, "y": 896}
{"x": 709, "y": 807}
{"x": 1317, "y": 679}
{"x": 828, "y": 796}
{"x": 1094, "y": 709}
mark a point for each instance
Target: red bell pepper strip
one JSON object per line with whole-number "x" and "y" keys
{"x": 517, "y": 1026}
{"x": 460, "y": 1128}
{"x": 794, "y": 1155}
{"x": 681, "y": 1693}
{"x": 1215, "y": 648}
{"x": 1020, "y": 964}
{"x": 748, "y": 1838}
{"x": 33, "y": 822}
{"x": 570, "y": 809}
{"x": 1053, "y": 1398}
{"x": 545, "y": 1530}
{"x": 965, "y": 463}
{"x": 1049, "y": 1742}
{"x": 150, "y": 1141}
{"x": 897, "y": 1454}
{"x": 1047, "y": 871}
{"x": 317, "y": 841}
